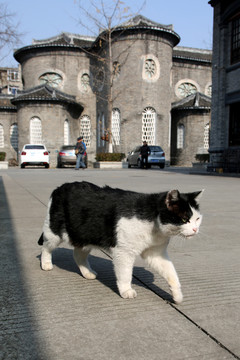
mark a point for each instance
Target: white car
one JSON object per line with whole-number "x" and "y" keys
{"x": 34, "y": 154}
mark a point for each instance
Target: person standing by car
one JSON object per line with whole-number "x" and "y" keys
{"x": 80, "y": 149}
{"x": 144, "y": 151}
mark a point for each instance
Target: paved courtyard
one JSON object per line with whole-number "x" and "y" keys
{"x": 58, "y": 315}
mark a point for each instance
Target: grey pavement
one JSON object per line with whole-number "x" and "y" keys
{"x": 58, "y": 315}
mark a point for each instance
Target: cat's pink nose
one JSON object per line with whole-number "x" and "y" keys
{"x": 194, "y": 229}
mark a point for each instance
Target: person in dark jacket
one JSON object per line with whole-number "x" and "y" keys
{"x": 80, "y": 150}
{"x": 144, "y": 151}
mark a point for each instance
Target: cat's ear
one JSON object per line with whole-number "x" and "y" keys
{"x": 172, "y": 199}
{"x": 197, "y": 195}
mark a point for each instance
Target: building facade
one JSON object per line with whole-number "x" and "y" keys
{"x": 225, "y": 123}
{"x": 68, "y": 91}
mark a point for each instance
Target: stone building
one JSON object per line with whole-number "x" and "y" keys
{"x": 66, "y": 92}
{"x": 225, "y": 124}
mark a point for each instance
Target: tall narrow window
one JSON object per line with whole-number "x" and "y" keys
{"x": 234, "y": 125}
{"x": 66, "y": 132}
{"x": 206, "y": 137}
{"x": 116, "y": 127}
{"x": 149, "y": 125}
{"x": 14, "y": 136}
{"x": 35, "y": 131}
{"x": 1, "y": 136}
{"x": 85, "y": 129}
{"x": 180, "y": 136}
{"x": 103, "y": 129}
{"x": 98, "y": 130}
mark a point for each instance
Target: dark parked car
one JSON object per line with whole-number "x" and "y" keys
{"x": 156, "y": 157}
{"x": 66, "y": 156}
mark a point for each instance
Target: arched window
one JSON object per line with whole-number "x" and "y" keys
{"x": 116, "y": 126}
{"x": 35, "y": 131}
{"x": 14, "y": 136}
{"x": 180, "y": 136}
{"x": 1, "y": 136}
{"x": 206, "y": 137}
{"x": 85, "y": 129}
{"x": 149, "y": 125}
{"x": 66, "y": 132}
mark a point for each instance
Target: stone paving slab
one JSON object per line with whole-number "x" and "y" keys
{"x": 59, "y": 315}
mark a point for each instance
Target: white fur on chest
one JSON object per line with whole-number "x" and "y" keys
{"x": 137, "y": 235}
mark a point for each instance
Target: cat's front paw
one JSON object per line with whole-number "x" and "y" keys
{"x": 46, "y": 266}
{"x": 89, "y": 275}
{"x": 129, "y": 294}
{"x": 177, "y": 297}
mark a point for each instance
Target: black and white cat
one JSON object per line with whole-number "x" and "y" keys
{"x": 128, "y": 223}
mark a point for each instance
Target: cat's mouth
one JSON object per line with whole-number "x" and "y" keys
{"x": 188, "y": 236}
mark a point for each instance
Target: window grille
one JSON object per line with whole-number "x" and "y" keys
{"x": 1, "y": 136}
{"x": 116, "y": 127}
{"x": 149, "y": 125}
{"x": 14, "y": 136}
{"x": 236, "y": 40}
{"x": 85, "y": 129}
{"x": 52, "y": 79}
{"x": 180, "y": 136}
{"x": 206, "y": 137}
{"x": 66, "y": 132}
{"x": 35, "y": 131}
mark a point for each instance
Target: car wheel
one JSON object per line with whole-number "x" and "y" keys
{"x": 161, "y": 166}
{"x": 129, "y": 166}
{"x": 47, "y": 166}
{"x": 22, "y": 166}
{"x": 59, "y": 165}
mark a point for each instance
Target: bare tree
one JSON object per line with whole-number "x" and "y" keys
{"x": 9, "y": 36}
{"x": 106, "y": 16}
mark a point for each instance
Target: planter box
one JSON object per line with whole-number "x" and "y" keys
{"x": 110, "y": 165}
{"x": 200, "y": 166}
{"x": 3, "y": 164}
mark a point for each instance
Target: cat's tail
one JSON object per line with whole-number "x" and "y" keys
{"x": 40, "y": 241}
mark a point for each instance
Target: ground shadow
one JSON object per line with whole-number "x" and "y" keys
{"x": 19, "y": 339}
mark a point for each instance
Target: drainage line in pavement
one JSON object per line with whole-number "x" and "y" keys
{"x": 182, "y": 313}
{"x": 189, "y": 319}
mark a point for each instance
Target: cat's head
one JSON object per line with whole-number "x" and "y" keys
{"x": 183, "y": 212}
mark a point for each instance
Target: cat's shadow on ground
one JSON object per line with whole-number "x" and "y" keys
{"x": 63, "y": 259}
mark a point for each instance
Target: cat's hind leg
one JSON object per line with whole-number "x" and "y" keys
{"x": 81, "y": 258}
{"x": 158, "y": 259}
{"x": 50, "y": 242}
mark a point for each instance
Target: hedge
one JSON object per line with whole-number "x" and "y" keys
{"x": 110, "y": 156}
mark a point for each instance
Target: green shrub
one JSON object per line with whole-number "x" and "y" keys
{"x": 110, "y": 156}
{"x": 2, "y": 156}
{"x": 202, "y": 157}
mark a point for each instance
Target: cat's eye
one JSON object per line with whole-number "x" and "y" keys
{"x": 185, "y": 220}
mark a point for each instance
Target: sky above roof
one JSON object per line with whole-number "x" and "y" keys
{"x": 192, "y": 19}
